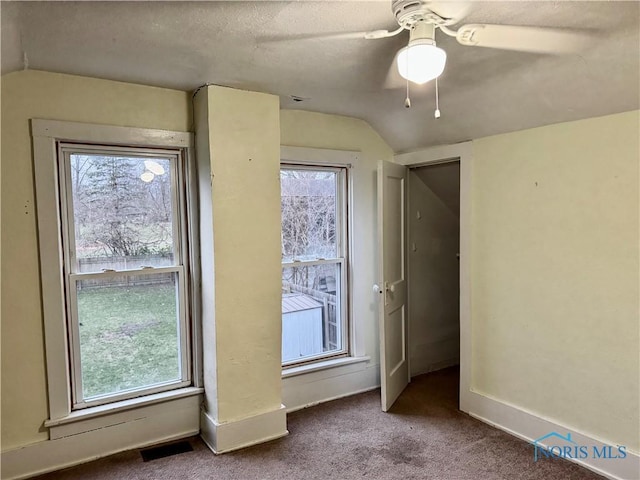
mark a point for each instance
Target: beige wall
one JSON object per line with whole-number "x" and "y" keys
{"x": 33, "y": 94}
{"x": 555, "y": 273}
{"x": 247, "y": 239}
{"x": 554, "y": 239}
{"x": 317, "y": 130}
{"x": 243, "y": 151}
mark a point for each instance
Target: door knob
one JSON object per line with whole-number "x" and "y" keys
{"x": 376, "y": 288}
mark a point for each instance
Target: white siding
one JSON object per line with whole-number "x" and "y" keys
{"x": 301, "y": 333}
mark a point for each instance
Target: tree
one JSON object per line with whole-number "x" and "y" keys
{"x": 115, "y": 211}
{"x": 308, "y": 203}
{"x": 114, "y": 197}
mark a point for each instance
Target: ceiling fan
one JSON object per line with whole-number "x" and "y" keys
{"x": 421, "y": 60}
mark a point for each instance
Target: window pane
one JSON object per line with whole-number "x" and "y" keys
{"x": 308, "y": 214}
{"x": 128, "y": 332}
{"x": 311, "y": 320}
{"x": 123, "y": 212}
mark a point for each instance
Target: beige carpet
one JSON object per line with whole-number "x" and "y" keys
{"x": 423, "y": 437}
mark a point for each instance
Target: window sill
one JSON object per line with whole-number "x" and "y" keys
{"x": 327, "y": 364}
{"x": 122, "y": 406}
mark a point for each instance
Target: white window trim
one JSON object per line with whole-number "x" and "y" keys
{"x": 323, "y": 157}
{"x": 73, "y": 274}
{"x": 87, "y": 419}
{"x": 322, "y": 365}
{"x": 46, "y": 136}
{"x": 341, "y": 259}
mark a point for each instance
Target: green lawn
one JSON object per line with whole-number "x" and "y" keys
{"x": 128, "y": 337}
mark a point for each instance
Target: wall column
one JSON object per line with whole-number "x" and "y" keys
{"x": 238, "y": 155}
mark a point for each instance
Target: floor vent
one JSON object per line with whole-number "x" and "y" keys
{"x": 165, "y": 451}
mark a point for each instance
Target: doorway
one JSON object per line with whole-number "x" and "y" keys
{"x": 396, "y": 338}
{"x": 433, "y": 253}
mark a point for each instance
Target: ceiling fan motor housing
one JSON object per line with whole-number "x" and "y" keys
{"x": 410, "y": 12}
{"x": 422, "y": 32}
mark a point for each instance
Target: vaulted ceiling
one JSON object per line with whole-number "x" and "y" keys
{"x": 268, "y": 46}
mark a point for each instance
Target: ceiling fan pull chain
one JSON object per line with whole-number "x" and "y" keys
{"x": 407, "y": 101}
{"x": 437, "y": 112}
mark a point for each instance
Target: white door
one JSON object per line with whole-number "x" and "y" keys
{"x": 394, "y": 363}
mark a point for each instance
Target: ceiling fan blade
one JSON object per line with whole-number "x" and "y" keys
{"x": 327, "y": 36}
{"x": 524, "y": 39}
{"x": 369, "y": 35}
{"x": 455, "y": 11}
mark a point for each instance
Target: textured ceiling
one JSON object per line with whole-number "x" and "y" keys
{"x": 265, "y": 46}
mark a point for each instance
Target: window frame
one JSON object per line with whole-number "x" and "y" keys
{"x": 47, "y": 136}
{"x": 72, "y": 274}
{"x": 343, "y": 250}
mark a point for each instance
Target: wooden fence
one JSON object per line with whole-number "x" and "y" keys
{"x": 98, "y": 264}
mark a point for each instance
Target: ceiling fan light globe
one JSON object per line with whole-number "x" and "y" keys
{"x": 154, "y": 167}
{"x": 425, "y": 62}
{"x": 147, "y": 176}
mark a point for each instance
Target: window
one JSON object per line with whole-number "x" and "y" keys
{"x": 124, "y": 271}
{"x": 314, "y": 263}
{"x": 116, "y": 257}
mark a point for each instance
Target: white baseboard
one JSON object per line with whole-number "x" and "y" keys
{"x": 529, "y": 426}
{"x": 330, "y": 399}
{"x": 323, "y": 386}
{"x": 226, "y": 437}
{"x": 50, "y": 455}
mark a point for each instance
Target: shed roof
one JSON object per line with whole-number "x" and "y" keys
{"x": 295, "y": 302}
